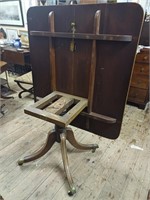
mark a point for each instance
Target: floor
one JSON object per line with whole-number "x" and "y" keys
{"x": 118, "y": 170}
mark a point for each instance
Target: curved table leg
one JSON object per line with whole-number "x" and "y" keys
{"x": 78, "y": 145}
{"x": 51, "y": 138}
{"x": 148, "y": 196}
{"x": 66, "y": 164}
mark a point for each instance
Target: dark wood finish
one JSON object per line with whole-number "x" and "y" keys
{"x": 74, "y": 64}
{"x": 139, "y": 87}
{"x": 116, "y": 46}
{"x": 99, "y": 117}
{"x": 123, "y": 38}
{"x": 12, "y": 56}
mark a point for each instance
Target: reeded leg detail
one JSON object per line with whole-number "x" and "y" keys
{"x": 72, "y": 189}
{"x": 78, "y": 145}
{"x": 51, "y": 138}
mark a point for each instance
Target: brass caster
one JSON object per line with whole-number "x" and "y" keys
{"x": 72, "y": 192}
{"x": 20, "y": 162}
{"x": 94, "y": 148}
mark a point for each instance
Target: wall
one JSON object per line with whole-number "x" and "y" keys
{"x": 25, "y": 6}
{"x": 144, "y": 3}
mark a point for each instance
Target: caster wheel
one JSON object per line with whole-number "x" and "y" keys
{"x": 20, "y": 162}
{"x": 94, "y": 148}
{"x": 72, "y": 192}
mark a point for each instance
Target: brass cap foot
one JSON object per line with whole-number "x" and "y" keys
{"x": 20, "y": 162}
{"x": 72, "y": 191}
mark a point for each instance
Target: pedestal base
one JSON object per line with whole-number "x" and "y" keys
{"x": 60, "y": 135}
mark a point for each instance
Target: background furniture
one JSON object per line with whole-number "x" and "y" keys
{"x": 18, "y": 61}
{"x": 25, "y": 79}
{"x": 139, "y": 87}
{"x": 3, "y": 68}
{"x": 144, "y": 39}
{"x": 11, "y": 55}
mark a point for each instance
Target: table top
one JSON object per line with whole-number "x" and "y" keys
{"x": 89, "y": 53}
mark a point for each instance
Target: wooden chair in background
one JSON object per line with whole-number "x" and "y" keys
{"x": 3, "y": 68}
{"x": 25, "y": 79}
